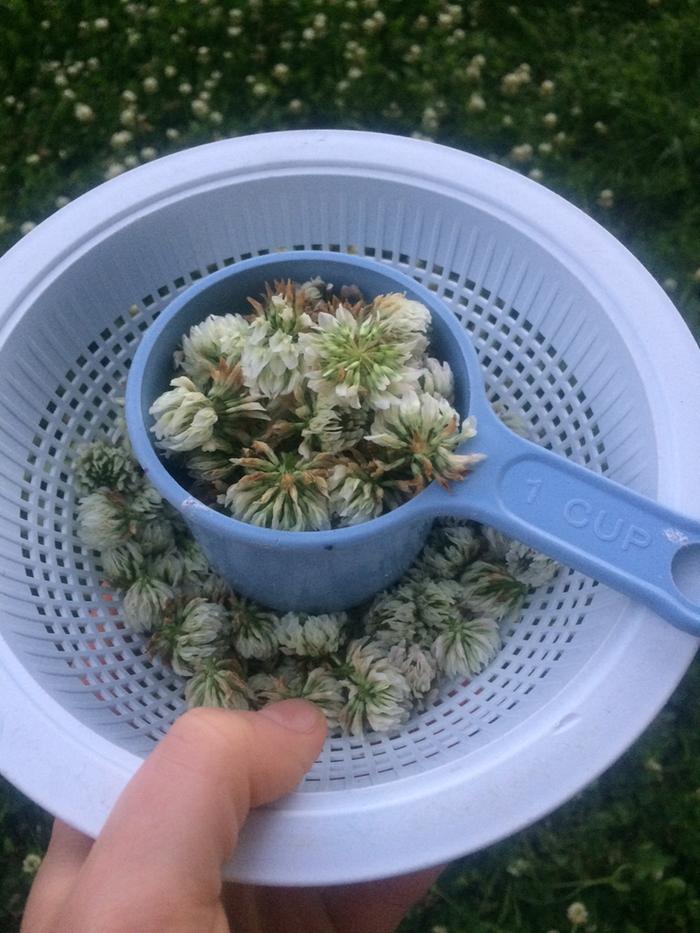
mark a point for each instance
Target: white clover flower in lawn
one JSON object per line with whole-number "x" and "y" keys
{"x": 311, "y": 636}
{"x": 254, "y": 630}
{"x": 378, "y": 694}
{"x": 281, "y": 491}
{"x": 219, "y": 683}
{"x": 419, "y": 436}
{"x": 219, "y": 337}
{"x": 466, "y": 644}
{"x": 145, "y": 602}
{"x": 490, "y": 590}
{"x": 190, "y": 632}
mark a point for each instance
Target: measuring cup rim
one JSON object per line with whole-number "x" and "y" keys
{"x": 179, "y": 497}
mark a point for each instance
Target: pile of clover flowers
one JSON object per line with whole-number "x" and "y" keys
{"x": 315, "y": 410}
{"x": 368, "y": 669}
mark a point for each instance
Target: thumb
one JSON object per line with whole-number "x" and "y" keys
{"x": 178, "y": 819}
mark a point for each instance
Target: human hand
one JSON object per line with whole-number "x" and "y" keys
{"x": 156, "y": 866}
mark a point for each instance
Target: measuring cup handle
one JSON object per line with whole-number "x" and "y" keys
{"x": 587, "y": 522}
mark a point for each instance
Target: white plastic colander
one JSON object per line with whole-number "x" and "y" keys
{"x": 572, "y": 333}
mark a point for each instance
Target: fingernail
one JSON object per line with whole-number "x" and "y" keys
{"x": 298, "y": 715}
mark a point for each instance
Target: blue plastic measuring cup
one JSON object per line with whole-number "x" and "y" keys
{"x": 566, "y": 511}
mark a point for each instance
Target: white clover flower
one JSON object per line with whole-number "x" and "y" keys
{"x": 529, "y": 566}
{"x": 295, "y": 105}
{"x": 101, "y": 466}
{"x": 156, "y": 535}
{"x": 417, "y": 666}
{"x": 128, "y": 116}
{"x": 150, "y": 84}
{"x": 272, "y": 352}
{"x": 270, "y": 360}
{"x": 378, "y": 694}
{"x": 185, "y": 417}
{"x": 476, "y": 103}
{"x": 547, "y": 88}
{"x": 103, "y": 520}
{"x": 466, "y": 644}
{"x": 402, "y": 316}
{"x": 101, "y": 24}
{"x": 254, "y": 630}
{"x": 27, "y": 227}
{"x": 311, "y": 636}
{"x": 285, "y": 683}
{"x": 322, "y": 687}
{"x": 31, "y": 863}
{"x": 200, "y": 108}
{"x": 606, "y": 198}
{"x": 436, "y": 379}
{"x": 392, "y": 617}
{"x": 356, "y": 360}
{"x": 448, "y": 552}
{"x": 281, "y": 491}
{"x": 121, "y": 139}
{"x": 489, "y": 589}
{"x": 145, "y": 602}
{"x": 576, "y": 914}
{"x": 190, "y": 633}
{"x": 218, "y": 683}
{"x": 83, "y": 113}
{"x": 355, "y": 495}
{"x": 420, "y": 435}
{"x": 219, "y": 337}
{"x": 521, "y": 153}
{"x": 123, "y": 565}
{"x": 113, "y": 169}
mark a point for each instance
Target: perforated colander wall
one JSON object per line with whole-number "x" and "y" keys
{"x": 547, "y": 351}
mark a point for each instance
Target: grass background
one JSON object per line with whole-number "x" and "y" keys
{"x": 599, "y": 100}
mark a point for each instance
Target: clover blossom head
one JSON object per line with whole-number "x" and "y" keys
{"x": 401, "y": 316}
{"x": 417, "y": 665}
{"x": 419, "y": 437}
{"x": 253, "y": 629}
{"x": 466, "y": 644}
{"x": 327, "y": 427}
{"x": 191, "y": 631}
{"x": 377, "y": 693}
{"x": 145, "y": 603}
{"x": 101, "y": 466}
{"x": 185, "y": 417}
{"x": 357, "y": 359}
{"x": 108, "y": 519}
{"x": 272, "y": 352}
{"x": 311, "y": 636}
{"x": 282, "y": 491}
{"x": 218, "y": 682}
{"x": 219, "y": 338}
{"x": 123, "y": 565}
{"x": 448, "y": 551}
{"x": 524, "y": 563}
{"x": 436, "y": 379}
{"x": 356, "y": 492}
{"x": 489, "y": 589}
